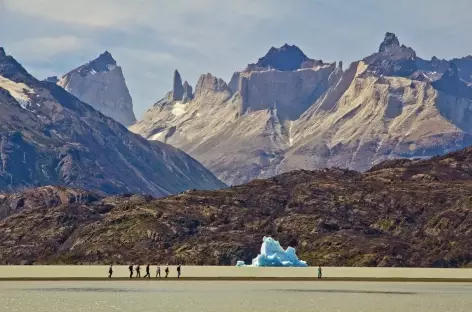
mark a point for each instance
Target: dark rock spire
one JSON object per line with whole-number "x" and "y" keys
{"x": 210, "y": 83}
{"x": 188, "y": 92}
{"x": 177, "y": 87}
{"x": 390, "y": 43}
{"x": 285, "y": 58}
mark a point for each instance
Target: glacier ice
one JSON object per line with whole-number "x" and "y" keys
{"x": 273, "y": 255}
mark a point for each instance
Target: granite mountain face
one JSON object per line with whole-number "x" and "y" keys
{"x": 287, "y": 112}
{"x": 101, "y": 84}
{"x": 241, "y": 130}
{"x": 48, "y": 136}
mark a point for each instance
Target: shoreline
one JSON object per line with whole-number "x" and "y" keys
{"x": 239, "y": 279}
{"x": 225, "y": 273}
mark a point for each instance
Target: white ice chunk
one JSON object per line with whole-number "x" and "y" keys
{"x": 273, "y": 255}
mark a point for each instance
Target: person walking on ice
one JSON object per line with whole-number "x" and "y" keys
{"x": 320, "y": 272}
{"x": 138, "y": 271}
{"x": 110, "y": 271}
{"x": 178, "y": 271}
{"x": 148, "y": 273}
{"x": 167, "y": 271}
{"x": 130, "y": 271}
{"x": 158, "y": 272}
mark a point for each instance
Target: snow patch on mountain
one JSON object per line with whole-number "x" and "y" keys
{"x": 158, "y": 136}
{"x": 179, "y": 109}
{"x": 290, "y": 137}
{"x": 19, "y": 91}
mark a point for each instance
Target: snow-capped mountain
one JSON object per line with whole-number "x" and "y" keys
{"x": 288, "y": 111}
{"x": 48, "y": 136}
{"x": 101, "y": 84}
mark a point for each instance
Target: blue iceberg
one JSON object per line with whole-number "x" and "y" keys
{"x": 273, "y": 255}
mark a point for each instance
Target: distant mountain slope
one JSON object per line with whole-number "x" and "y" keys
{"x": 401, "y": 213}
{"x": 47, "y": 136}
{"x": 289, "y": 112}
{"x": 101, "y": 84}
{"x": 240, "y": 131}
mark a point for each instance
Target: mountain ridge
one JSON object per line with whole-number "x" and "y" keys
{"x": 50, "y": 137}
{"x": 313, "y": 114}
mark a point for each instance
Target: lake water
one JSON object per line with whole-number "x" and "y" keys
{"x": 181, "y": 296}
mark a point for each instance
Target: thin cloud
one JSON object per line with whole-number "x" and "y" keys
{"x": 151, "y": 57}
{"x": 151, "y": 38}
{"x": 104, "y": 12}
{"x": 46, "y": 47}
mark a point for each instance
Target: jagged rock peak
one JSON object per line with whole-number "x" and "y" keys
{"x": 452, "y": 73}
{"x": 52, "y": 79}
{"x": 103, "y": 63}
{"x": 286, "y": 58}
{"x": 186, "y": 85}
{"x": 11, "y": 69}
{"x": 392, "y": 58}
{"x": 451, "y": 83}
{"x": 209, "y": 83}
{"x": 106, "y": 58}
{"x": 177, "y": 87}
{"x": 188, "y": 92}
{"x": 390, "y": 43}
{"x": 101, "y": 84}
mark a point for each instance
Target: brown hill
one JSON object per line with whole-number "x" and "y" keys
{"x": 401, "y": 213}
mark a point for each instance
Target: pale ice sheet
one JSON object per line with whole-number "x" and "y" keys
{"x": 183, "y": 296}
{"x": 273, "y": 255}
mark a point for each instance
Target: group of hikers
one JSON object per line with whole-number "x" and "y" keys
{"x": 158, "y": 271}
{"x": 131, "y": 269}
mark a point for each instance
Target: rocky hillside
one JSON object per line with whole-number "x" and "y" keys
{"x": 49, "y": 137}
{"x": 287, "y": 112}
{"x": 101, "y": 84}
{"x": 400, "y": 213}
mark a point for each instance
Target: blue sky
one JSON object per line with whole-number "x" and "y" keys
{"x": 151, "y": 38}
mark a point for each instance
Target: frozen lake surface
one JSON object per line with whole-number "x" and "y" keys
{"x": 143, "y": 296}
{"x": 99, "y": 271}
